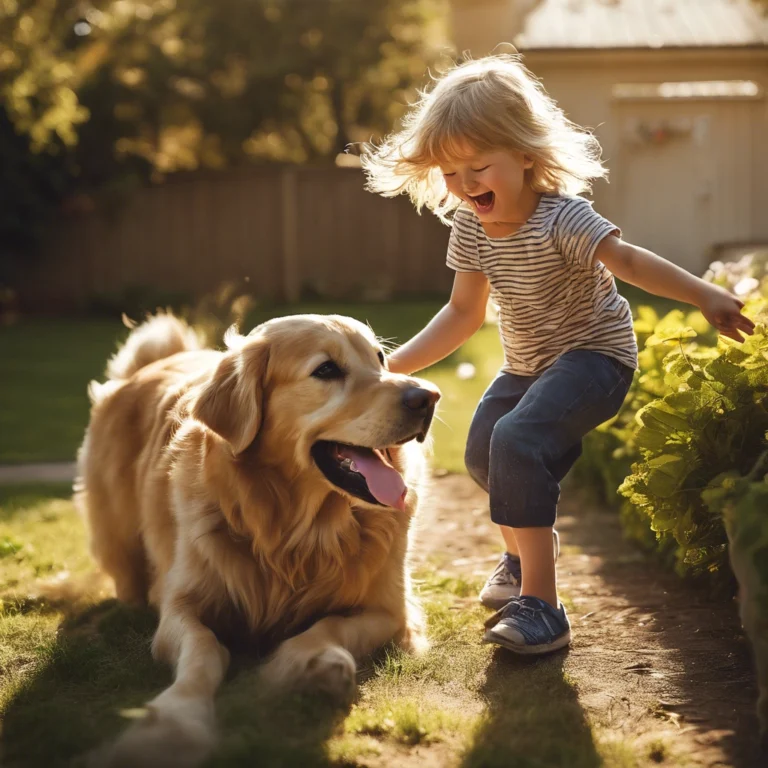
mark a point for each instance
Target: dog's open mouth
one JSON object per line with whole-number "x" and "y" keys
{"x": 363, "y": 472}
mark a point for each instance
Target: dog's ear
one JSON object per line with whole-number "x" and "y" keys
{"x": 230, "y": 404}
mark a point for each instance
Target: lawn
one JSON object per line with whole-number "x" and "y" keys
{"x": 74, "y": 667}
{"x": 46, "y": 366}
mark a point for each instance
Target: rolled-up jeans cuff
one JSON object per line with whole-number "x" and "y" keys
{"x": 540, "y": 516}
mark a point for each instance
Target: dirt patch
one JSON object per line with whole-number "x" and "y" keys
{"x": 655, "y": 661}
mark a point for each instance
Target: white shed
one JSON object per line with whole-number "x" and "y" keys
{"x": 676, "y": 92}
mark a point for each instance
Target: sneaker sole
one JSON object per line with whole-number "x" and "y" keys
{"x": 497, "y": 603}
{"x": 527, "y": 650}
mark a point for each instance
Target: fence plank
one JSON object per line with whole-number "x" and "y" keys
{"x": 290, "y": 221}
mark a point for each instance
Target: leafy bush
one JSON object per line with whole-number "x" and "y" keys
{"x": 31, "y": 186}
{"x": 712, "y": 419}
{"x": 742, "y": 503}
{"x": 696, "y": 409}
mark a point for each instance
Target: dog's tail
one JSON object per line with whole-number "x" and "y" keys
{"x": 160, "y": 336}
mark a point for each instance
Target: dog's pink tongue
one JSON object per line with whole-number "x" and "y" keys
{"x": 383, "y": 480}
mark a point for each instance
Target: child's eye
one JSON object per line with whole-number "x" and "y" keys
{"x": 446, "y": 175}
{"x": 484, "y": 168}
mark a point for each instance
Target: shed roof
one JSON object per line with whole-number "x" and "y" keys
{"x": 574, "y": 24}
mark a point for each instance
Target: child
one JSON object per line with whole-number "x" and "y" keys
{"x": 488, "y": 144}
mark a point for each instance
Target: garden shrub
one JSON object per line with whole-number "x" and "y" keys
{"x": 742, "y": 503}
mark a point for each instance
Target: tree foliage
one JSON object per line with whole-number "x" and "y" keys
{"x": 184, "y": 83}
{"x": 108, "y": 92}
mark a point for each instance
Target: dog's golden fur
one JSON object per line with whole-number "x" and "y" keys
{"x": 202, "y": 497}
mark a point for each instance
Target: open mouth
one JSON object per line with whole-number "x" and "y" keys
{"x": 483, "y": 203}
{"x": 366, "y": 473}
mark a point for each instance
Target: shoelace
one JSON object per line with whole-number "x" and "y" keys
{"x": 515, "y": 607}
{"x": 503, "y": 574}
{"x": 525, "y": 606}
{"x": 528, "y": 611}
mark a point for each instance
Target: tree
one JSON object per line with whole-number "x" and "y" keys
{"x": 97, "y": 95}
{"x": 184, "y": 83}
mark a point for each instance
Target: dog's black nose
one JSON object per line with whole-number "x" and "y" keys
{"x": 419, "y": 399}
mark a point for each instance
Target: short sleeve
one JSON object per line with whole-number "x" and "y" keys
{"x": 462, "y": 244}
{"x": 578, "y": 229}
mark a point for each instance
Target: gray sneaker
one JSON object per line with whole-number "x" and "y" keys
{"x": 504, "y": 583}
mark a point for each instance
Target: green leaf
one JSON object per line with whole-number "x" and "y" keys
{"x": 661, "y": 417}
{"x": 687, "y": 402}
{"x": 673, "y": 334}
{"x": 647, "y": 319}
{"x": 648, "y": 439}
{"x": 735, "y": 355}
{"x": 663, "y": 520}
{"x": 666, "y": 475}
{"x": 678, "y": 365}
{"x": 723, "y": 370}
{"x": 753, "y": 378}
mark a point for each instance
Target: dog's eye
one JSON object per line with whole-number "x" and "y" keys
{"x": 381, "y": 357}
{"x": 327, "y": 371}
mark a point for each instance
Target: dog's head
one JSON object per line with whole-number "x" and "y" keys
{"x": 312, "y": 394}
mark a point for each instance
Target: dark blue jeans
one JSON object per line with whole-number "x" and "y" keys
{"x": 527, "y": 431}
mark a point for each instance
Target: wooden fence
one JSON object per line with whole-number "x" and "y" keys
{"x": 288, "y": 231}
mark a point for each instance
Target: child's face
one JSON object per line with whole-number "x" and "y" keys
{"x": 490, "y": 182}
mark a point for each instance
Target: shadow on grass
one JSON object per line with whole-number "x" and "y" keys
{"x": 533, "y": 717}
{"x": 97, "y": 664}
{"x": 257, "y": 728}
{"x": 99, "y": 667}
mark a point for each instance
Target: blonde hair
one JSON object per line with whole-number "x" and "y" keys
{"x": 490, "y": 104}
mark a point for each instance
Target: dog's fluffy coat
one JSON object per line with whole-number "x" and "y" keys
{"x": 202, "y": 497}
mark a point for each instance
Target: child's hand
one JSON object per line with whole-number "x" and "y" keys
{"x": 723, "y": 311}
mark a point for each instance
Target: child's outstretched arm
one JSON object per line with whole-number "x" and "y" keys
{"x": 656, "y": 275}
{"x": 459, "y": 319}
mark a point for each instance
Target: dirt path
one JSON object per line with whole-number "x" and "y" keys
{"x": 651, "y": 657}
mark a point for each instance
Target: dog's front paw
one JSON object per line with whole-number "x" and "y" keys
{"x": 176, "y": 732}
{"x": 333, "y": 671}
{"x": 330, "y": 669}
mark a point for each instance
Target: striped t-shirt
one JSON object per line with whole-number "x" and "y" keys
{"x": 552, "y": 295}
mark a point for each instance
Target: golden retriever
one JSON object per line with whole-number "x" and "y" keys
{"x": 264, "y": 495}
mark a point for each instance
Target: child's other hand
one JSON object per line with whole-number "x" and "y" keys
{"x": 723, "y": 311}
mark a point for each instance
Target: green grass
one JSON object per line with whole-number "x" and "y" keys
{"x": 46, "y": 366}
{"x": 74, "y": 667}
